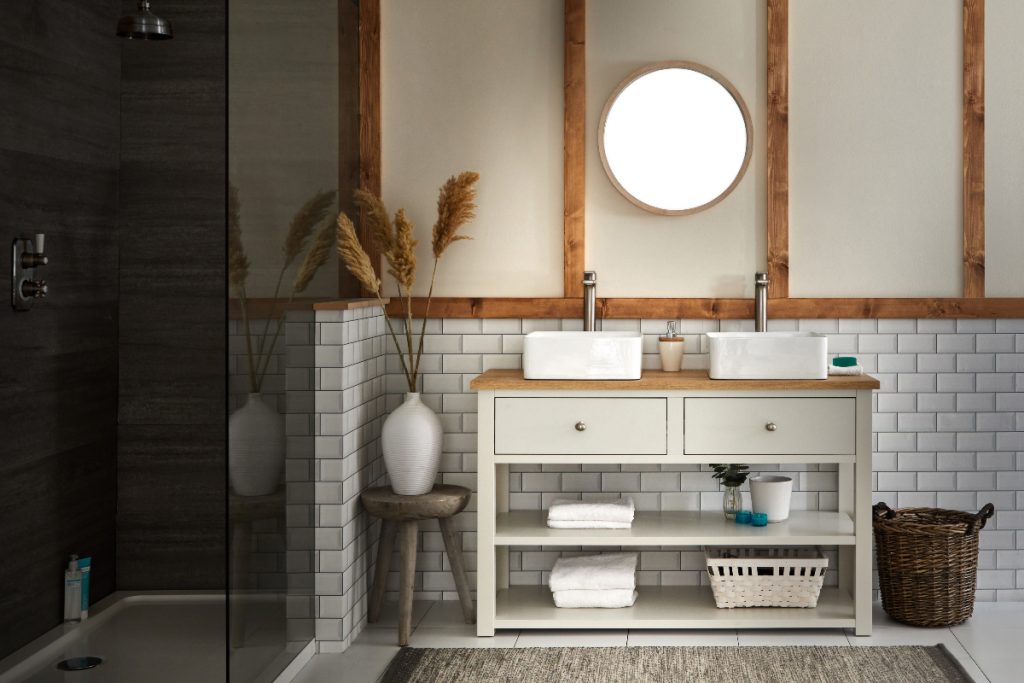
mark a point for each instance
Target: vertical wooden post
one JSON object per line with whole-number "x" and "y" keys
{"x": 575, "y": 140}
{"x": 778, "y": 149}
{"x": 348, "y": 126}
{"x": 369, "y": 115}
{"x": 974, "y": 149}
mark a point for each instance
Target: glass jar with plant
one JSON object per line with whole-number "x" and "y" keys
{"x": 731, "y": 477}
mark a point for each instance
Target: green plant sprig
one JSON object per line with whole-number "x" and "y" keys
{"x": 732, "y": 474}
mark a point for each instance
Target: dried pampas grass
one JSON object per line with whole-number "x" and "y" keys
{"x": 455, "y": 207}
{"x": 323, "y": 245}
{"x": 402, "y": 258}
{"x": 354, "y": 256}
{"x": 376, "y": 217}
{"x": 312, "y": 213}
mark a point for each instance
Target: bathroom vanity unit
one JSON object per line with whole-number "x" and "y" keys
{"x": 673, "y": 418}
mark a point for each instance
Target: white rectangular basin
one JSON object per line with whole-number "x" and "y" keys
{"x": 582, "y": 355}
{"x": 768, "y": 355}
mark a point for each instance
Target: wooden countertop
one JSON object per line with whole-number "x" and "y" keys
{"x": 658, "y": 380}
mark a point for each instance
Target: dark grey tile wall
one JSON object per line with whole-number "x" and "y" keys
{"x": 172, "y": 384}
{"x": 59, "y": 83}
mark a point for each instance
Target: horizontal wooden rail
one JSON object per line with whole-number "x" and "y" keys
{"x": 723, "y": 309}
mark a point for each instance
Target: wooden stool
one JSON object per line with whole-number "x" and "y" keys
{"x": 401, "y": 515}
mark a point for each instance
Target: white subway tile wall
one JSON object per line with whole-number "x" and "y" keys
{"x": 948, "y": 423}
{"x": 949, "y": 432}
{"x": 347, "y": 413}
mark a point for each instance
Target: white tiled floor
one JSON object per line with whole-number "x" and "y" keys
{"x": 990, "y": 646}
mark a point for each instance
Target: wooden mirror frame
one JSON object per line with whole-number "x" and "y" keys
{"x": 972, "y": 304}
{"x": 689, "y": 66}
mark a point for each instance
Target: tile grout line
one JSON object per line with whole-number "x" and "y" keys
{"x": 969, "y": 654}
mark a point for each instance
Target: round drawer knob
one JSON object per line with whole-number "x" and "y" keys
{"x": 771, "y": 426}
{"x": 580, "y": 427}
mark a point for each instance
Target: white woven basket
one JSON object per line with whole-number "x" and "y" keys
{"x": 766, "y": 577}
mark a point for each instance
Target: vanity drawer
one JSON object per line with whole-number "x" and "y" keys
{"x": 580, "y": 426}
{"x": 741, "y": 426}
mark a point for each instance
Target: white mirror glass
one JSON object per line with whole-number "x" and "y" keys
{"x": 675, "y": 138}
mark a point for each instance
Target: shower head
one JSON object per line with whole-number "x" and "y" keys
{"x": 144, "y": 25}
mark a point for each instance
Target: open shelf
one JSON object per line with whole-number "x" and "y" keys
{"x": 529, "y": 527}
{"x": 675, "y": 607}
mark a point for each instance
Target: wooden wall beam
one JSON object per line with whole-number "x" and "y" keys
{"x": 778, "y": 148}
{"x": 574, "y": 146}
{"x": 348, "y": 126}
{"x": 721, "y": 309}
{"x": 974, "y": 148}
{"x": 369, "y": 115}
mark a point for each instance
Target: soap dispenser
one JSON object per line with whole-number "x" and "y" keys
{"x": 670, "y": 347}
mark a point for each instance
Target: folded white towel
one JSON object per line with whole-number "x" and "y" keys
{"x": 617, "y": 510}
{"x": 613, "y": 598}
{"x": 594, "y": 572}
{"x": 573, "y": 524}
{"x": 849, "y": 370}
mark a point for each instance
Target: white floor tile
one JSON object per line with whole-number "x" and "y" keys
{"x": 364, "y": 662}
{"x": 569, "y": 638}
{"x": 443, "y": 614}
{"x": 640, "y": 638}
{"x": 990, "y": 646}
{"x": 998, "y": 651}
{"x": 462, "y": 636}
{"x": 792, "y": 637}
{"x": 888, "y": 634}
{"x": 389, "y": 614}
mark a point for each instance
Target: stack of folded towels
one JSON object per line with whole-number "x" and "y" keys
{"x": 607, "y": 580}
{"x": 575, "y": 514}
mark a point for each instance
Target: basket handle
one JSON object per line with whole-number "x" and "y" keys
{"x": 883, "y": 511}
{"x": 983, "y": 516}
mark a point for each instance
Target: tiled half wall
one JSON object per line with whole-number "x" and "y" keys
{"x": 948, "y": 432}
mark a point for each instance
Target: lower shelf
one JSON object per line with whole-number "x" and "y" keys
{"x": 675, "y": 607}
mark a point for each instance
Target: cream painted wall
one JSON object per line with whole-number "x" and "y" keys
{"x": 875, "y": 148}
{"x": 1004, "y": 148}
{"x": 713, "y": 253}
{"x": 477, "y": 85}
{"x": 283, "y": 119}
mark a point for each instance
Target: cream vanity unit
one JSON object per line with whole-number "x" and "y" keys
{"x": 673, "y": 418}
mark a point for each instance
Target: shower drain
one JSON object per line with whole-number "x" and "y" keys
{"x": 79, "y": 663}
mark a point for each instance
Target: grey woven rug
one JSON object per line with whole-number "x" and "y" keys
{"x": 902, "y": 664}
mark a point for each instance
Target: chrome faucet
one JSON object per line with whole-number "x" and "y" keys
{"x": 760, "y": 302}
{"x": 589, "y": 300}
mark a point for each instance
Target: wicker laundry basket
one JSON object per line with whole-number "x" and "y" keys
{"x": 766, "y": 577}
{"x": 928, "y": 563}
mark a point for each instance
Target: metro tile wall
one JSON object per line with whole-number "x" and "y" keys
{"x": 349, "y": 410}
{"x": 949, "y": 432}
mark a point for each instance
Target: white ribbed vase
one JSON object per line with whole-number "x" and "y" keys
{"x": 411, "y": 440}
{"x": 255, "y": 448}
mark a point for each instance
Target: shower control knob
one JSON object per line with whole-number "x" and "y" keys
{"x": 34, "y": 289}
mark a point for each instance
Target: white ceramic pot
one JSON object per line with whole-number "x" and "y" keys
{"x": 255, "y": 448}
{"x": 411, "y": 440}
{"x": 771, "y": 493}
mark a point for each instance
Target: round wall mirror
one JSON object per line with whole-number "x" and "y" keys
{"x": 675, "y": 138}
